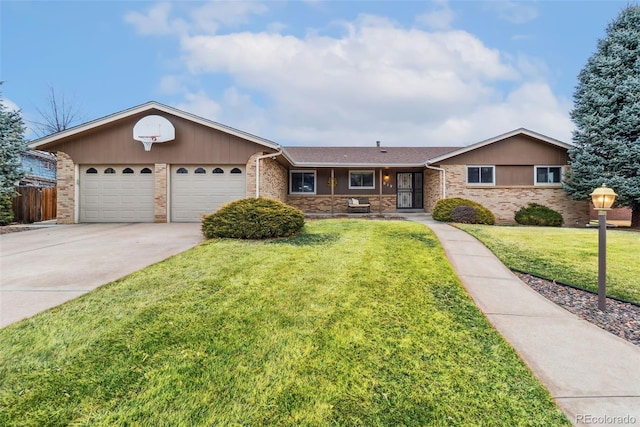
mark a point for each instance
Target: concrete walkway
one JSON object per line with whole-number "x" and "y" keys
{"x": 43, "y": 268}
{"x": 593, "y": 375}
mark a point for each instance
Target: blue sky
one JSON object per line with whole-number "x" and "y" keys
{"x": 311, "y": 72}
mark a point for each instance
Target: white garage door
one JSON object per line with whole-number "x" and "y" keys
{"x": 110, "y": 193}
{"x": 201, "y": 189}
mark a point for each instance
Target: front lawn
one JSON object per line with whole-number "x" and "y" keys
{"x": 353, "y": 322}
{"x": 567, "y": 255}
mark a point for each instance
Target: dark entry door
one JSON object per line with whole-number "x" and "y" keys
{"x": 409, "y": 190}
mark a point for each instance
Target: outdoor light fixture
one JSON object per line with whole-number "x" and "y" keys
{"x": 386, "y": 176}
{"x": 602, "y": 198}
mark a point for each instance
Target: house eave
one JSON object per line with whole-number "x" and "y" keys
{"x": 41, "y": 143}
{"x": 355, "y": 165}
{"x": 520, "y": 131}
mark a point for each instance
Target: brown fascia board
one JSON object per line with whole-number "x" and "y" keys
{"x": 520, "y": 131}
{"x": 43, "y": 142}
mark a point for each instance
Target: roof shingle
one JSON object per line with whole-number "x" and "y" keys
{"x": 369, "y": 156}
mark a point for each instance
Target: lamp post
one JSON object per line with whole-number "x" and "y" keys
{"x": 602, "y": 198}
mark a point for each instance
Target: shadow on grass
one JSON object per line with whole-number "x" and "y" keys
{"x": 307, "y": 239}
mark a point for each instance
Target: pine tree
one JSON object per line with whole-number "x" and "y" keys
{"x": 12, "y": 144}
{"x": 607, "y": 117}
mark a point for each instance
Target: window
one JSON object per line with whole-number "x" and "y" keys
{"x": 548, "y": 175}
{"x": 236, "y": 170}
{"x": 92, "y": 170}
{"x": 146, "y": 170}
{"x": 302, "y": 182}
{"x": 127, "y": 170}
{"x": 480, "y": 175}
{"x": 109, "y": 170}
{"x": 200, "y": 170}
{"x": 361, "y": 179}
{"x": 218, "y": 170}
{"x": 182, "y": 170}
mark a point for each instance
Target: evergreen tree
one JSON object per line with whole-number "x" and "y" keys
{"x": 12, "y": 144}
{"x": 607, "y": 117}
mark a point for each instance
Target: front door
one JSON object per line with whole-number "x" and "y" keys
{"x": 409, "y": 190}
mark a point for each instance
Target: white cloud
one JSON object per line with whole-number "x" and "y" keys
{"x": 201, "y": 105}
{"x": 205, "y": 19}
{"x": 516, "y": 12}
{"x": 156, "y": 21}
{"x": 439, "y": 18}
{"x": 376, "y": 81}
{"x": 171, "y": 85}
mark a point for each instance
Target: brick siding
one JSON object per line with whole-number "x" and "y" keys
{"x": 504, "y": 202}
{"x": 323, "y": 204}
{"x": 273, "y": 178}
{"x": 160, "y": 193}
{"x": 66, "y": 173}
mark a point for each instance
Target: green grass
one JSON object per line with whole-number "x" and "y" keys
{"x": 567, "y": 254}
{"x": 358, "y": 323}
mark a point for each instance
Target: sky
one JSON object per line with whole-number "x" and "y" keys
{"x": 321, "y": 73}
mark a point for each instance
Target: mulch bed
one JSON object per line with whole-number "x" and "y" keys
{"x": 620, "y": 318}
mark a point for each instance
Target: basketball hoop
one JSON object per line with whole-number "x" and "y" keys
{"x": 153, "y": 130}
{"x": 147, "y": 141}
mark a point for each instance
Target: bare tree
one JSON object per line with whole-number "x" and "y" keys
{"x": 60, "y": 113}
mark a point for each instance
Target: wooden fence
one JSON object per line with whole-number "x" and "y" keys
{"x": 34, "y": 204}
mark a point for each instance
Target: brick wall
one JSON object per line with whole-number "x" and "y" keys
{"x": 66, "y": 173}
{"x": 273, "y": 178}
{"x": 323, "y": 204}
{"x": 432, "y": 188}
{"x": 504, "y": 202}
{"x": 160, "y": 193}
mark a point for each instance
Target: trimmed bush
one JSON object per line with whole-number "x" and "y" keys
{"x": 444, "y": 209}
{"x": 253, "y": 218}
{"x": 6, "y": 209}
{"x": 464, "y": 214}
{"x": 535, "y": 214}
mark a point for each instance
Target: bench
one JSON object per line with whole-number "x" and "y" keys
{"x": 358, "y": 204}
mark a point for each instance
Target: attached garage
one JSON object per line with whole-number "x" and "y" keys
{"x": 198, "y": 190}
{"x": 112, "y": 193}
{"x": 154, "y": 163}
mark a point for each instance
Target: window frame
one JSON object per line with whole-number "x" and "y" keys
{"x": 480, "y": 183}
{"x": 535, "y": 175}
{"x": 363, "y": 171}
{"x": 303, "y": 171}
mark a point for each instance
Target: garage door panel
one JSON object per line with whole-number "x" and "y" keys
{"x": 116, "y": 197}
{"x": 196, "y": 194}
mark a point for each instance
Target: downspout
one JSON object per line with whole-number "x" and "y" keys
{"x": 264, "y": 156}
{"x": 444, "y": 178}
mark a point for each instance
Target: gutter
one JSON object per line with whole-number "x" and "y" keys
{"x": 264, "y": 156}
{"x": 444, "y": 178}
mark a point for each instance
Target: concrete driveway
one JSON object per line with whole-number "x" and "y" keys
{"x": 43, "y": 268}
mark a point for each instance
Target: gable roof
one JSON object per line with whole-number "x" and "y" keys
{"x": 42, "y": 143}
{"x": 520, "y": 131}
{"x": 362, "y": 156}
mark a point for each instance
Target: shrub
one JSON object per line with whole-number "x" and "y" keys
{"x": 444, "y": 209}
{"x": 6, "y": 209}
{"x": 464, "y": 214}
{"x": 535, "y": 214}
{"x": 253, "y": 218}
